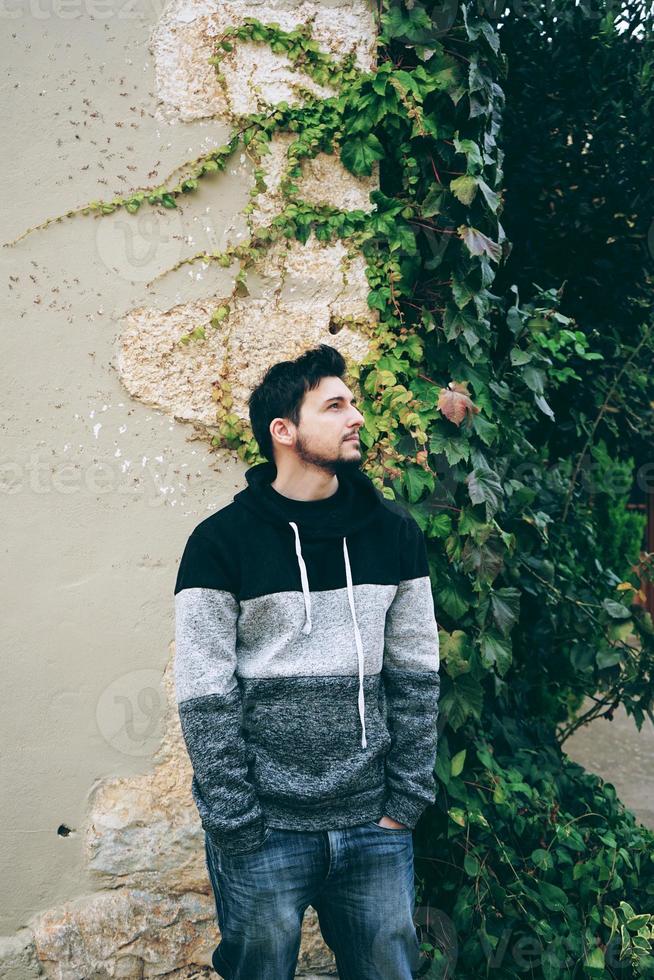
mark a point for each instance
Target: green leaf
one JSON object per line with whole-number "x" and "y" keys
{"x": 360, "y": 152}
{"x": 378, "y": 299}
{"x": 495, "y": 650}
{"x": 487, "y": 431}
{"x": 220, "y": 314}
{"x": 463, "y": 698}
{"x": 464, "y": 188}
{"x": 514, "y": 320}
{"x": 403, "y": 238}
{"x": 471, "y": 150}
{"x": 433, "y": 201}
{"x": 457, "y": 763}
{"x": 505, "y": 604}
{"x": 412, "y": 24}
{"x": 471, "y": 865}
{"x": 615, "y": 609}
{"x": 492, "y": 199}
{"x": 440, "y": 525}
{"x": 455, "y": 651}
{"x": 542, "y": 859}
{"x": 594, "y": 962}
{"x": 554, "y": 898}
{"x": 455, "y": 448}
{"x": 458, "y": 815}
{"x": 620, "y": 631}
{"x": 544, "y": 406}
{"x": 452, "y": 602}
{"x": 534, "y": 378}
{"x": 519, "y": 357}
{"x": 607, "y": 657}
{"x": 416, "y": 480}
{"x": 456, "y": 322}
{"x": 485, "y": 487}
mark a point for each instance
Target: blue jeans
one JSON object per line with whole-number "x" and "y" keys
{"x": 360, "y": 881}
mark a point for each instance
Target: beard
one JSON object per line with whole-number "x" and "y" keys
{"x": 335, "y": 466}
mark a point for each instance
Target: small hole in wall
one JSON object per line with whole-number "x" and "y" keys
{"x": 334, "y": 326}
{"x": 63, "y": 830}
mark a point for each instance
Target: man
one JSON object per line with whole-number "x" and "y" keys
{"x": 306, "y": 676}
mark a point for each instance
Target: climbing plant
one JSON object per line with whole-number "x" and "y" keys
{"x": 580, "y": 197}
{"x": 529, "y": 864}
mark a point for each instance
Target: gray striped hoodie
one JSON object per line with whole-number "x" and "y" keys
{"x": 307, "y": 662}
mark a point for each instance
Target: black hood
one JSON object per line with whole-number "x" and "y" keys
{"x": 354, "y": 505}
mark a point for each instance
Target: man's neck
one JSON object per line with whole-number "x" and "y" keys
{"x": 308, "y": 486}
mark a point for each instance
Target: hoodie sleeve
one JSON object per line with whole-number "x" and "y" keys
{"x": 208, "y": 697}
{"x": 412, "y": 683}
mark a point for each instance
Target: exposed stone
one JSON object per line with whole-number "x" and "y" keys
{"x": 324, "y": 180}
{"x": 157, "y": 370}
{"x": 143, "y": 831}
{"x": 314, "y": 287}
{"x": 305, "y": 286}
{"x": 184, "y": 39}
{"x": 314, "y": 955}
{"x": 18, "y": 959}
{"x": 125, "y": 933}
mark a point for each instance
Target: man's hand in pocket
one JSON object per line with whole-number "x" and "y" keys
{"x": 389, "y": 822}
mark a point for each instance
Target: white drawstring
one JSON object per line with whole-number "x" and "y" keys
{"x": 305, "y": 580}
{"x": 357, "y": 635}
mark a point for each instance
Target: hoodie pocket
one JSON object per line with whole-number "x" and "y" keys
{"x": 305, "y": 744}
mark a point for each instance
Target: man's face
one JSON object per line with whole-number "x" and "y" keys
{"x": 329, "y": 419}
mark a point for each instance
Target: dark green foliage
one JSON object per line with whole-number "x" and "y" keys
{"x": 527, "y": 867}
{"x": 579, "y": 171}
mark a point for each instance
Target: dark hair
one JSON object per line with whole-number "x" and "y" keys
{"x": 281, "y": 392}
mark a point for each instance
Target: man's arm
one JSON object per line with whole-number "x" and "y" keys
{"x": 411, "y": 683}
{"x": 209, "y": 698}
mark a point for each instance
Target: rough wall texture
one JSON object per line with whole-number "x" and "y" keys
{"x": 182, "y": 44}
{"x": 154, "y": 914}
{"x": 139, "y": 902}
{"x": 304, "y": 285}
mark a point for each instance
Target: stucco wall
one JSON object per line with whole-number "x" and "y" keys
{"x": 105, "y": 463}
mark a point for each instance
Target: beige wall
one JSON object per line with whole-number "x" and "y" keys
{"x": 100, "y": 483}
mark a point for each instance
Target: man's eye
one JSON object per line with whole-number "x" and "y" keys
{"x": 335, "y": 405}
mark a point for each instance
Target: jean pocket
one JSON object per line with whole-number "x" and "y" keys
{"x": 250, "y": 850}
{"x": 390, "y": 830}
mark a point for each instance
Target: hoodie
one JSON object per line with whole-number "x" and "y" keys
{"x": 306, "y": 663}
